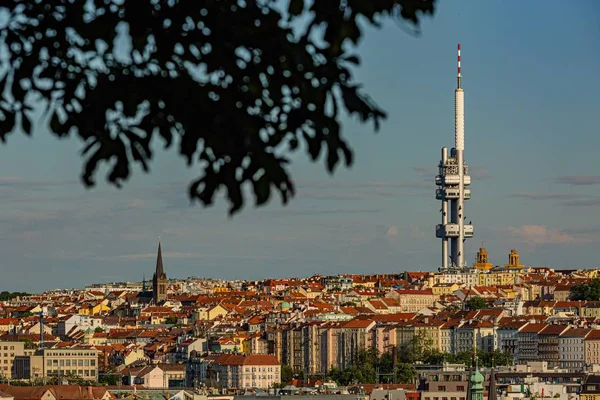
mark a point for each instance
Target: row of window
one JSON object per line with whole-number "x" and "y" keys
{"x": 11, "y": 347}
{"x": 61, "y": 354}
{"x": 444, "y": 398}
{"x": 261, "y": 369}
{"x": 458, "y": 388}
{"x": 86, "y": 372}
{"x": 68, "y": 363}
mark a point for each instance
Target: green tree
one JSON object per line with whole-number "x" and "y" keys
{"x": 586, "y": 291}
{"x": 406, "y": 373}
{"x": 365, "y": 367}
{"x": 495, "y": 358}
{"x": 465, "y": 357}
{"x": 287, "y": 374}
{"x": 416, "y": 348}
{"x": 28, "y": 343}
{"x": 437, "y": 357}
{"x": 98, "y": 330}
{"x": 239, "y": 102}
{"x": 476, "y": 303}
{"x": 5, "y": 296}
{"x": 171, "y": 320}
{"x": 452, "y": 308}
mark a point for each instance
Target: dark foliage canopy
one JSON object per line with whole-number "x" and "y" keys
{"x": 238, "y": 86}
{"x": 4, "y": 295}
{"x": 586, "y": 291}
{"x": 476, "y": 303}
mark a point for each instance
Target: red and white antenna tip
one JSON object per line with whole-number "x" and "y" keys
{"x": 459, "y": 59}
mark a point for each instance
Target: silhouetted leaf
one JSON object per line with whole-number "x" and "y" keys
{"x": 262, "y": 190}
{"x": 26, "y": 122}
{"x": 7, "y": 125}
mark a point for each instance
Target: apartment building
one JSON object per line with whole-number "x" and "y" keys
{"x": 8, "y": 352}
{"x": 592, "y": 347}
{"x": 528, "y": 342}
{"x": 81, "y": 362}
{"x": 571, "y": 348}
{"x": 413, "y": 300}
{"x": 250, "y": 371}
{"x": 548, "y": 348}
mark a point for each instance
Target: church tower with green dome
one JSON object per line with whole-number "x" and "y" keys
{"x": 476, "y": 385}
{"x": 475, "y": 388}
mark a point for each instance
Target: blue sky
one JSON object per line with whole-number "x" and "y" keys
{"x": 531, "y": 79}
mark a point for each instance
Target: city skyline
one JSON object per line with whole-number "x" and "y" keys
{"x": 532, "y": 152}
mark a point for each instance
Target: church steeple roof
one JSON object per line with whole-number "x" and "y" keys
{"x": 492, "y": 392}
{"x": 160, "y": 272}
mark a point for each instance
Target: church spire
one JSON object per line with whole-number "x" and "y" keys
{"x": 492, "y": 392}
{"x": 160, "y": 272}
{"x": 159, "y": 281}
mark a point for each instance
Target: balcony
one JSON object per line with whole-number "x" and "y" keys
{"x": 441, "y": 180}
{"x": 451, "y": 194}
{"x": 453, "y": 230}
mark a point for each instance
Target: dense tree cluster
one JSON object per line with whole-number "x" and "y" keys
{"x": 237, "y": 102}
{"x": 586, "y": 291}
{"x": 365, "y": 369}
{"x": 484, "y": 358}
{"x": 5, "y": 296}
{"x": 476, "y": 303}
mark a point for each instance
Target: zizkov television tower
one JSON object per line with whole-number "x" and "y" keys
{"x": 452, "y": 182}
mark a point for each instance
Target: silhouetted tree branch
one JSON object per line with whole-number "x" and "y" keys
{"x": 237, "y": 85}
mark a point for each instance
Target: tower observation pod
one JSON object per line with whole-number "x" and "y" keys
{"x": 453, "y": 181}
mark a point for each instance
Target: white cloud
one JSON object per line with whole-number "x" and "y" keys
{"x": 392, "y": 232}
{"x": 416, "y": 232}
{"x": 537, "y": 235}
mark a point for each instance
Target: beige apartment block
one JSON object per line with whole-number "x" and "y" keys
{"x": 8, "y": 352}
{"x": 81, "y": 362}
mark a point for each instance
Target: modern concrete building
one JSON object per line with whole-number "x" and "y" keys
{"x": 8, "y": 352}
{"x": 65, "y": 362}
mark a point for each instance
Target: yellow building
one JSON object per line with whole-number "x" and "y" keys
{"x": 591, "y": 309}
{"x": 216, "y": 311}
{"x": 221, "y": 289}
{"x": 133, "y": 355}
{"x": 498, "y": 277}
{"x": 429, "y": 333}
{"x": 483, "y": 263}
{"x": 513, "y": 261}
{"x": 94, "y": 308}
{"x": 444, "y": 288}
